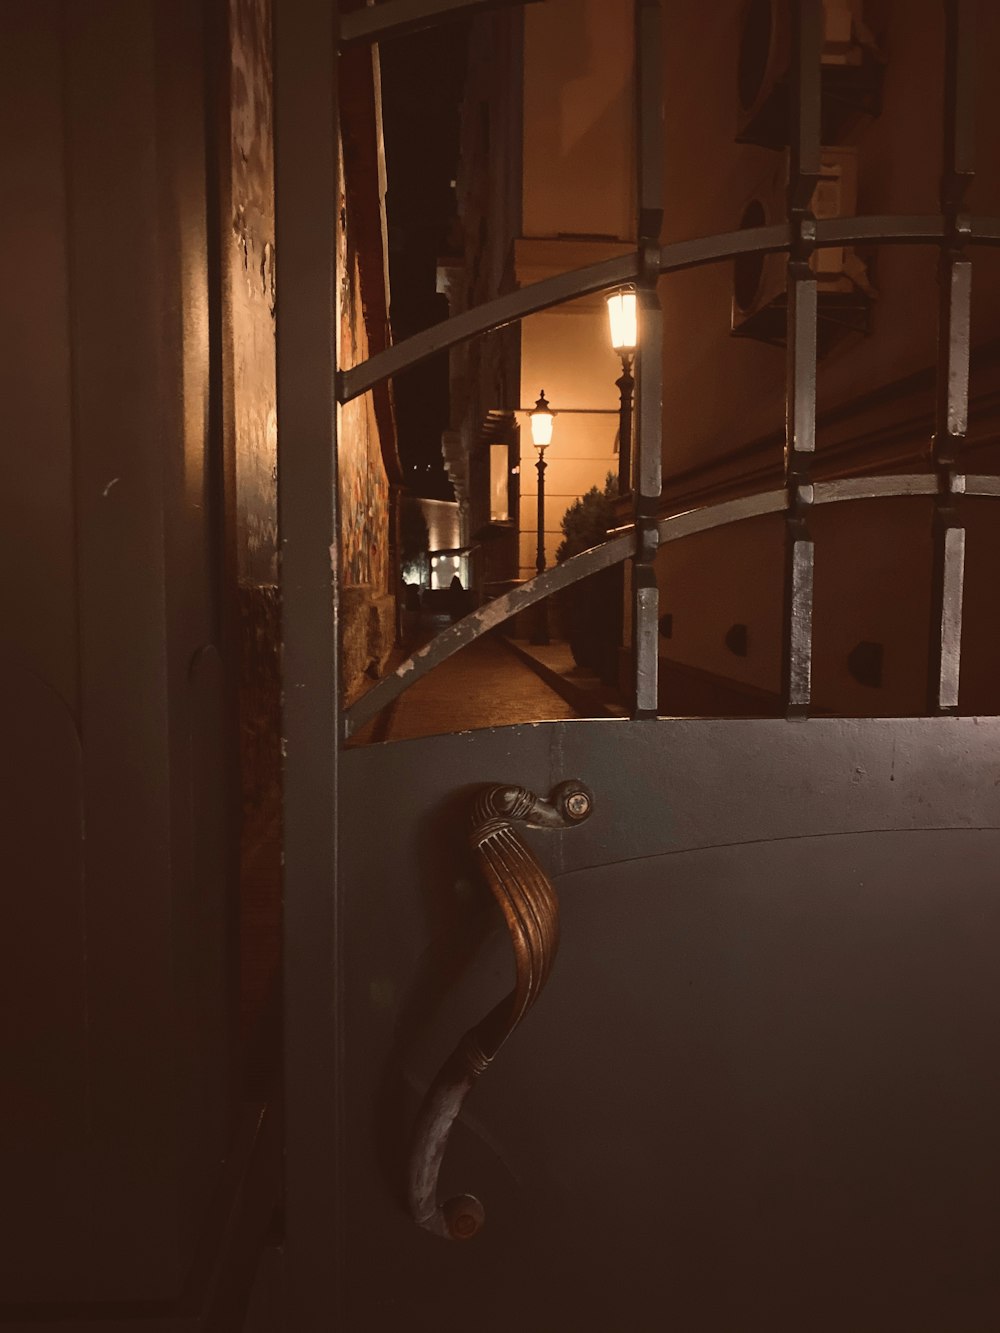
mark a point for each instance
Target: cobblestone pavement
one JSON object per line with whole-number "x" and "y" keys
{"x": 484, "y": 685}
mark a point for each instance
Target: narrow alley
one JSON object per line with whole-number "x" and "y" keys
{"x": 485, "y": 685}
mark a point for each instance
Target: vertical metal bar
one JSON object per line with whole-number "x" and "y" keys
{"x": 952, "y": 539}
{"x": 800, "y": 388}
{"x": 805, "y": 105}
{"x": 307, "y": 192}
{"x": 960, "y": 94}
{"x": 649, "y": 360}
{"x": 952, "y": 399}
{"x": 540, "y": 548}
{"x": 649, "y": 66}
{"x": 625, "y": 384}
{"x": 648, "y": 468}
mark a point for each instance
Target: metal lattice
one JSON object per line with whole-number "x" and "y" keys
{"x": 950, "y": 230}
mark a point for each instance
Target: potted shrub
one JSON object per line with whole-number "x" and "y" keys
{"x": 592, "y": 609}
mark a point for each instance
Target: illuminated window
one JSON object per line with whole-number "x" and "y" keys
{"x": 499, "y": 495}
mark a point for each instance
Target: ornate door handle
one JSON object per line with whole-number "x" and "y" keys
{"x": 531, "y": 911}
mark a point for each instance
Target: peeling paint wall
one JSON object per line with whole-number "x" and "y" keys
{"x": 248, "y": 269}
{"x": 368, "y": 602}
{"x": 364, "y": 488}
{"x": 251, "y": 276}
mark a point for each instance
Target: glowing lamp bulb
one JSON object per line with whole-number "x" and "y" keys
{"x": 623, "y": 319}
{"x": 542, "y": 418}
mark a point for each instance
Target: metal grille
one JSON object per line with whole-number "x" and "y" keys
{"x": 307, "y": 35}
{"x": 951, "y": 230}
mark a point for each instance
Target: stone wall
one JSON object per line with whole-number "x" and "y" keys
{"x": 368, "y": 604}
{"x": 251, "y": 400}
{"x": 250, "y": 270}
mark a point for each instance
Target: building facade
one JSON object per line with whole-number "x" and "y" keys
{"x": 724, "y": 397}
{"x": 542, "y": 121}
{"x": 560, "y": 194}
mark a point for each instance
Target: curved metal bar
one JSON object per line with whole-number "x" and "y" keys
{"x": 875, "y": 228}
{"x": 393, "y": 18}
{"x": 875, "y": 488}
{"x": 680, "y": 255}
{"x": 984, "y": 231}
{"x": 982, "y": 486}
{"x": 894, "y": 486}
{"x": 676, "y": 526}
{"x": 903, "y": 484}
{"x": 918, "y": 229}
{"x": 881, "y": 228}
{"x": 531, "y": 912}
{"x": 470, "y": 627}
{"x": 618, "y": 548}
{"x": 485, "y": 318}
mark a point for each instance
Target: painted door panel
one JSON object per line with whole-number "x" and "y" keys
{"x": 757, "y": 1092}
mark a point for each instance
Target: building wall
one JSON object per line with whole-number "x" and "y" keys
{"x": 442, "y": 519}
{"x": 141, "y": 625}
{"x": 368, "y": 601}
{"x": 710, "y": 178}
{"x": 368, "y": 463}
{"x": 579, "y": 188}
{"x": 724, "y": 397}
{"x": 566, "y": 352}
{"x": 249, "y": 302}
{"x": 252, "y": 295}
{"x": 364, "y": 491}
{"x": 578, "y": 119}
{"x": 485, "y": 372}
{"x": 118, "y": 682}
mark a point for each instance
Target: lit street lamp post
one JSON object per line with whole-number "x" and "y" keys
{"x": 624, "y": 336}
{"x": 541, "y": 437}
{"x": 623, "y": 321}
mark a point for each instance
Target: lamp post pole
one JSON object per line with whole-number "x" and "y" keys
{"x": 540, "y": 554}
{"x": 623, "y": 321}
{"x": 541, "y": 634}
{"x": 624, "y": 329}
{"x": 626, "y": 387}
{"x": 541, "y": 434}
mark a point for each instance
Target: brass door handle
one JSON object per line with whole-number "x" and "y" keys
{"x": 531, "y": 911}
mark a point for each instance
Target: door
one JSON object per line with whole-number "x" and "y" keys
{"x": 755, "y": 1091}
{"x": 752, "y": 1087}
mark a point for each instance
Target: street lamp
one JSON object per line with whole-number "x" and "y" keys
{"x": 623, "y": 319}
{"x": 541, "y": 417}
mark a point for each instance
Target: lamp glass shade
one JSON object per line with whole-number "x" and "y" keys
{"x": 541, "y": 423}
{"x": 623, "y": 318}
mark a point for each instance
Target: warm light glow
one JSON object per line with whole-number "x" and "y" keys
{"x": 541, "y": 423}
{"x": 499, "y": 483}
{"x": 623, "y": 318}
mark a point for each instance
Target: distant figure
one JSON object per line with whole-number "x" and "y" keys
{"x": 411, "y": 597}
{"x": 456, "y": 598}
